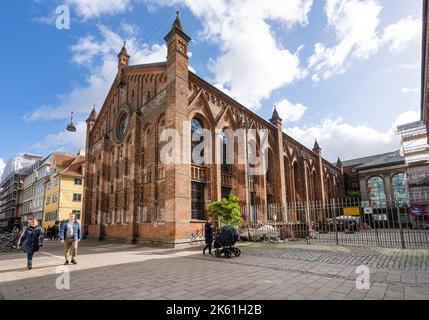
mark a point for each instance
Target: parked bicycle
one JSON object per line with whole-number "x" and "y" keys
{"x": 195, "y": 238}
{"x": 8, "y": 241}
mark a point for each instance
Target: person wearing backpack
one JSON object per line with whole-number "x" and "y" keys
{"x": 70, "y": 235}
{"x": 31, "y": 240}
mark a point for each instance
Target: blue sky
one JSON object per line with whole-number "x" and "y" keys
{"x": 342, "y": 71}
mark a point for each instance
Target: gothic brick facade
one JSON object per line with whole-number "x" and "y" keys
{"x": 131, "y": 195}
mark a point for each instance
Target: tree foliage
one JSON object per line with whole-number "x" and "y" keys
{"x": 353, "y": 195}
{"x": 227, "y": 211}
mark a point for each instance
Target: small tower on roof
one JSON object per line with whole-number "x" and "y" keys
{"x": 339, "y": 163}
{"x": 123, "y": 57}
{"x": 90, "y": 122}
{"x": 92, "y": 116}
{"x": 275, "y": 118}
{"x": 177, "y": 40}
{"x": 340, "y": 166}
{"x": 316, "y": 147}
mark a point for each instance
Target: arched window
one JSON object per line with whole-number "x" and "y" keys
{"x": 196, "y": 139}
{"x": 227, "y": 155}
{"x": 398, "y": 186}
{"x": 288, "y": 182}
{"x": 376, "y": 192}
{"x": 251, "y": 156}
{"x": 198, "y": 188}
{"x": 269, "y": 174}
{"x": 161, "y": 128}
{"x": 297, "y": 179}
{"x": 313, "y": 185}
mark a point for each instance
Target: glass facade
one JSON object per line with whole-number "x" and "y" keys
{"x": 398, "y": 186}
{"x": 376, "y": 192}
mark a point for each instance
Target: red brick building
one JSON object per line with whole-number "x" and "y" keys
{"x": 131, "y": 194}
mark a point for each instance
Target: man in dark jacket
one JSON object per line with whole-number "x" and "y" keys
{"x": 70, "y": 235}
{"x": 208, "y": 235}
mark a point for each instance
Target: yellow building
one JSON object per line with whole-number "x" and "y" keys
{"x": 64, "y": 190}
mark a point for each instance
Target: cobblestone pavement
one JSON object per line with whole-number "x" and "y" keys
{"x": 376, "y": 257}
{"x": 291, "y": 270}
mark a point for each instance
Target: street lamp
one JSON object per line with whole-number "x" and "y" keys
{"x": 71, "y": 126}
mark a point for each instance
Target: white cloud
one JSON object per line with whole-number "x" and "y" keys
{"x": 409, "y": 66}
{"x": 356, "y": 26}
{"x": 252, "y": 62}
{"x": 410, "y": 90}
{"x": 99, "y": 58}
{"x": 95, "y": 8}
{"x": 45, "y": 20}
{"x": 128, "y": 28}
{"x": 64, "y": 140}
{"x": 2, "y": 165}
{"x": 339, "y": 138}
{"x": 354, "y": 23}
{"x": 398, "y": 35}
{"x": 289, "y": 111}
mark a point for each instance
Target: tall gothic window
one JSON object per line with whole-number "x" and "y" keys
{"x": 376, "y": 192}
{"x": 161, "y": 128}
{"x": 398, "y": 186}
{"x": 126, "y": 166}
{"x": 126, "y": 199}
{"x": 225, "y": 192}
{"x": 196, "y": 131}
{"x": 297, "y": 183}
{"x": 227, "y": 155}
{"x": 251, "y": 155}
{"x": 269, "y": 168}
{"x": 198, "y": 197}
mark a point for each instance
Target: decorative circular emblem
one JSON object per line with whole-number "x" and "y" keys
{"x": 121, "y": 124}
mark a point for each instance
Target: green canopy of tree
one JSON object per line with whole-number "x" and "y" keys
{"x": 353, "y": 195}
{"x": 227, "y": 211}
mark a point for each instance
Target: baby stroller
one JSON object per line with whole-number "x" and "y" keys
{"x": 224, "y": 243}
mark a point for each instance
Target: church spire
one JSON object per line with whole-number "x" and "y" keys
{"x": 316, "y": 147}
{"x": 93, "y": 116}
{"x": 177, "y": 24}
{"x": 177, "y": 40}
{"x": 339, "y": 163}
{"x": 275, "y": 115}
{"x": 275, "y": 118}
{"x": 123, "y": 56}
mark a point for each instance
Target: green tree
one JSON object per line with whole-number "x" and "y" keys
{"x": 353, "y": 196}
{"x": 227, "y": 211}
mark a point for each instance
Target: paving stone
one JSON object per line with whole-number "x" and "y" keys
{"x": 292, "y": 272}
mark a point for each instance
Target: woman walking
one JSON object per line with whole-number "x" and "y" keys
{"x": 31, "y": 240}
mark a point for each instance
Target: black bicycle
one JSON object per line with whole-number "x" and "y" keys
{"x": 8, "y": 241}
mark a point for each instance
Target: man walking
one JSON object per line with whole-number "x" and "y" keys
{"x": 70, "y": 235}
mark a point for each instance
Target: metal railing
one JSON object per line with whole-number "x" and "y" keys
{"x": 400, "y": 223}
